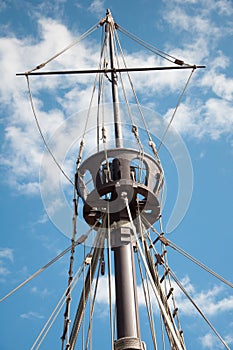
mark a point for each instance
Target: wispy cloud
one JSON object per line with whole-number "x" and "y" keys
{"x": 41, "y": 292}
{"x": 7, "y": 253}
{"x": 32, "y": 315}
{"x": 211, "y": 301}
{"x": 97, "y": 7}
{"x": 209, "y": 341}
{"x": 4, "y": 271}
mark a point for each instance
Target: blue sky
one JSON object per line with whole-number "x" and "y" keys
{"x": 199, "y": 32}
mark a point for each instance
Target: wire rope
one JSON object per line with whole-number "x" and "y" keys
{"x": 166, "y": 267}
{"x": 160, "y": 302}
{"x": 83, "y": 36}
{"x": 175, "y": 110}
{"x": 110, "y": 277}
{"x": 134, "y": 92}
{"x": 41, "y": 132}
{"x": 89, "y": 109}
{"x": 200, "y": 264}
{"x": 148, "y": 302}
{"x": 150, "y": 47}
{"x": 198, "y": 308}
{"x": 162, "y": 331}
{"x": 56, "y": 311}
{"x": 84, "y": 296}
{"x": 78, "y": 241}
{"x": 65, "y": 334}
{"x": 93, "y": 304}
{"x": 134, "y": 127}
{"x": 184, "y": 253}
{"x": 99, "y": 97}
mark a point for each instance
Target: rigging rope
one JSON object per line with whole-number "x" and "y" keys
{"x": 56, "y": 311}
{"x": 160, "y": 303}
{"x": 170, "y": 293}
{"x": 203, "y": 266}
{"x": 187, "y": 255}
{"x": 148, "y": 302}
{"x": 175, "y": 110}
{"x": 167, "y": 57}
{"x": 146, "y": 289}
{"x": 83, "y": 36}
{"x": 133, "y": 90}
{"x": 80, "y": 240}
{"x": 190, "y": 257}
{"x": 65, "y": 334}
{"x": 197, "y": 308}
{"x": 89, "y": 109}
{"x": 110, "y": 278}
{"x": 42, "y": 135}
{"x": 93, "y": 304}
{"x": 152, "y": 48}
{"x": 80, "y": 313}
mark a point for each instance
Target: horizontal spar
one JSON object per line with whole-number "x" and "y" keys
{"x": 88, "y": 71}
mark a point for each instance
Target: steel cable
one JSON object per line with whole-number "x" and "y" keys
{"x": 187, "y": 255}
{"x": 41, "y": 133}
{"x": 56, "y": 311}
{"x": 78, "y": 241}
{"x": 197, "y": 308}
{"x": 83, "y": 36}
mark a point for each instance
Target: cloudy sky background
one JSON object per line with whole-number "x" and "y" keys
{"x": 199, "y": 32}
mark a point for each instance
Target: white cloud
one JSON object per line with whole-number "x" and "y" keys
{"x": 221, "y": 85}
{"x": 4, "y": 271}
{"x": 43, "y": 293}
{"x": 208, "y": 341}
{"x": 196, "y": 22}
{"x": 97, "y": 7}
{"x": 31, "y": 315}
{"x": 7, "y": 253}
{"x": 102, "y": 296}
{"x": 211, "y": 119}
{"x": 220, "y": 6}
{"x": 212, "y": 301}
{"x": 23, "y": 147}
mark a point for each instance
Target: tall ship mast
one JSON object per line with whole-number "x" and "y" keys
{"x": 118, "y": 195}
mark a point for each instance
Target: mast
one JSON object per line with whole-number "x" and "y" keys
{"x": 109, "y": 28}
{"x": 125, "y": 277}
{"x": 123, "y": 188}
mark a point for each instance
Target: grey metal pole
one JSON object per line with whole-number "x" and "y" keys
{"x": 125, "y": 277}
{"x": 116, "y": 111}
